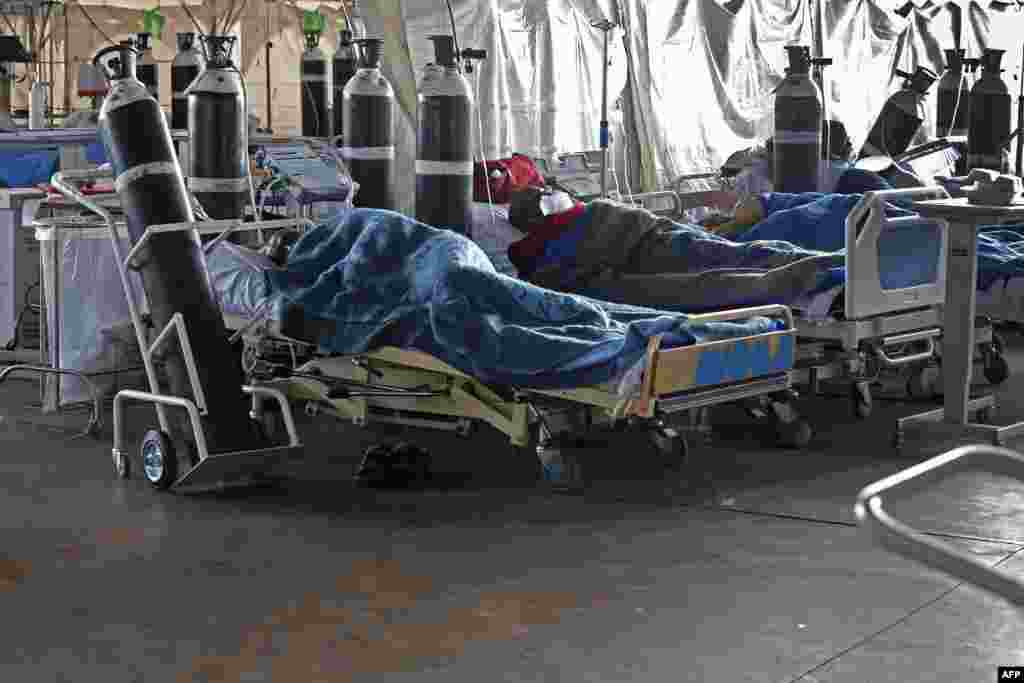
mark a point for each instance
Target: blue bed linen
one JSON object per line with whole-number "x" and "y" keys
{"x": 27, "y": 169}
{"x": 388, "y": 280}
{"x": 907, "y": 256}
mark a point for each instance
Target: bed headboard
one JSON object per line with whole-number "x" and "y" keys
{"x": 866, "y": 225}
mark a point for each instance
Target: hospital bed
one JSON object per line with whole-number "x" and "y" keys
{"x": 408, "y": 387}
{"x": 858, "y": 331}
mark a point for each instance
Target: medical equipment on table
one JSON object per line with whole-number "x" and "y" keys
{"x": 902, "y": 539}
{"x": 303, "y": 175}
{"x": 207, "y": 470}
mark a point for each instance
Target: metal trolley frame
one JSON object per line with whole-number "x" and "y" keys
{"x": 904, "y": 540}
{"x": 208, "y": 471}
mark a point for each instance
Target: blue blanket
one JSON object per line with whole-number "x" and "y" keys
{"x": 390, "y": 281}
{"x": 818, "y": 221}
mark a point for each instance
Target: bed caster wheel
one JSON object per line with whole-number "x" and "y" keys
{"x": 796, "y": 434}
{"x": 122, "y": 466}
{"x": 159, "y": 464}
{"x": 312, "y": 408}
{"x": 996, "y": 369}
{"x": 861, "y": 395}
{"x": 922, "y": 384}
{"x": 672, "y": 447}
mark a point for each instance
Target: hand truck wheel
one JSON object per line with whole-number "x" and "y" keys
{"x": 159, "y": 463}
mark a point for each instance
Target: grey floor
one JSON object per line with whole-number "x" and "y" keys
{"x": 753, "y": 571}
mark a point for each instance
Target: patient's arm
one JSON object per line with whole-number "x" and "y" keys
{"x": 726, "y": 288}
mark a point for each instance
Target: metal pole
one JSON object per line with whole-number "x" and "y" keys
{"x": 1020, "y": 118}
{"x": 605, "y": 26}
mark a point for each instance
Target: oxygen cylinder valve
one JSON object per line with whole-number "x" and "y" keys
{"x": 470, "y": 54}
{"x": 799, "y": 59}
{"x": 371, "y": 49}
{"x": 444, "y": 50}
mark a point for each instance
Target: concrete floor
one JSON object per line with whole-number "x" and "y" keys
{"x": 646, "y": 577}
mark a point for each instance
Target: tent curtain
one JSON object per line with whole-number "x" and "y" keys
{"x": 690, "y": 81}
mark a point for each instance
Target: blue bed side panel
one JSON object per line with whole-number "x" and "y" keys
{"x": 744, "y": 359}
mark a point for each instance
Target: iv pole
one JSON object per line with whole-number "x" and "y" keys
{"x": 605, "y": 26}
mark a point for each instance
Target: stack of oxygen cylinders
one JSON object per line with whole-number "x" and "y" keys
{"x": 979, "y": 112}
{"x": 362, "y": 124}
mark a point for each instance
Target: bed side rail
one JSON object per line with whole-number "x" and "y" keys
{"x": 908, "y": 542}
{"x": 864, "y": 226}
{"x": 768, "y": 311}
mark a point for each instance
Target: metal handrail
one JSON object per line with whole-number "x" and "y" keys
{"x": 904, "y": 540}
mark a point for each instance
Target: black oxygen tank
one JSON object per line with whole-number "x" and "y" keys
{"x": 146, "y": 69}
{"x": 184, "y": 69}
{"x": 218, "y": 121}
{"x": 953, "y": 97}
{"x": 368, "y": 121}
{"x": 444, "y": 159}
{"x": 796, "y": 142}
{"x": 990, "y": 117}
{"x": 901, "y": 116}
{"x": 152, "y": 191}
{"x": 316, "y": 122}
{"x": 346, "y": 63}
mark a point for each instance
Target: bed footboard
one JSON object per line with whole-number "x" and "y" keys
{"x": 867, "y": 222}
{"x": 691, "y": 376}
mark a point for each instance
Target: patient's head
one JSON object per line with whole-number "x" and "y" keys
{"x": 530, "y": 206}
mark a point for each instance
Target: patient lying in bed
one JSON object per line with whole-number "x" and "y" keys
{"x": 379, "y": 279}
{"x": 625, "y": 254}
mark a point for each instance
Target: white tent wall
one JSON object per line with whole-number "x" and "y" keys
{"x": 695, "y": 77}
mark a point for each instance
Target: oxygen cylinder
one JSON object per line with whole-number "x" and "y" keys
{"x": 6, "y": 87}
{"x": 444, "y": 160}
{"x": 218, "y": 121}
{"x": 901, "y": 116}
{"x": 369, "y": 144}
{"x": 346, "y": 63}
{"x": 38, "y": 105}
{"x": 145, "y": 68}
{"x": 316, "y": 122}
{"x": 990, "y": 117}
{"x": 953, "y": 97}
{"x": 152, "y": 191}
{"x": 186, "y": 66}
{"x": 798, "y": 124}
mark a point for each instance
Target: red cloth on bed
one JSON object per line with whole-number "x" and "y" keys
{"x": 531, "y": 247}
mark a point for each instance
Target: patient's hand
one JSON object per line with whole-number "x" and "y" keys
{"x": 801, "y": 277}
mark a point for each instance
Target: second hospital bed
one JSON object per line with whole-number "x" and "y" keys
{"x": 864, "y": 326}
